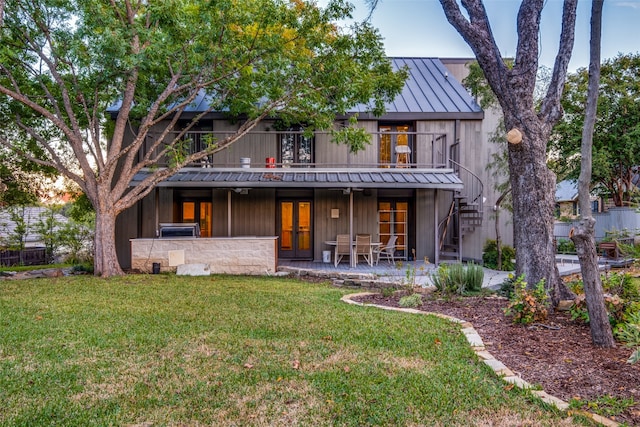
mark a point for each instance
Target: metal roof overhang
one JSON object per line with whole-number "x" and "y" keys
{"x": 444, "y": 179}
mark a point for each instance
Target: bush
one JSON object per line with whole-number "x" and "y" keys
{"x": 566, "y": 246}
{"x": 458, "y": 279}
{"x": 528, "y": 305}
{"x": 629, "y": 333}
{"x": 490, "y": 256}
{"x": 411, "y": 301}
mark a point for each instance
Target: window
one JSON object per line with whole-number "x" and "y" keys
{"x": 296, "y": 149}
{"x": 395, "y": 145}
{"x": 197, "y": 138}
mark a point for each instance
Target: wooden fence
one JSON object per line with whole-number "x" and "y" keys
{"x": 615, "y": 221}
{"x": 32, "y": 256}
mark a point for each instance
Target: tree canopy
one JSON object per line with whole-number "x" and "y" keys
{"x": 616, "y": 139}
{"x": 64, "y": 63}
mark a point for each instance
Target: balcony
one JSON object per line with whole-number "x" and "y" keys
{"x": 279, "y": 150}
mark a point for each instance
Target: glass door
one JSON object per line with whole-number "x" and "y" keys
{"x": 393, "y": 221}
{"x": 294, "y": 228}
{"x": 200, "y": 212}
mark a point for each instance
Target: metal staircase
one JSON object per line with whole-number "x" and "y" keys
{"x": 464, "y": 215}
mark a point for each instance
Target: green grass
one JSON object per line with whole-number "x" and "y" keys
{"x": 167, "y": 350}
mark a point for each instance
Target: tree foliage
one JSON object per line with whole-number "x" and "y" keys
{"x": 616, "y": 139}
{"x": 64, "y": 63}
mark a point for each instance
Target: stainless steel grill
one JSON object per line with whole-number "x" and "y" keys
{"x": 178, "y": 229}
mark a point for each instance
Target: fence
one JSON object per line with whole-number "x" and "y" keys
{"x": 625, "y": 220}
{"x": 33, "y": 256}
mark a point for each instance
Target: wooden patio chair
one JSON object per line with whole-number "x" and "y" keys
{"x": 343, "y": 247}
{"x": 388, "y": 250}
{"x": 363, "y": 248}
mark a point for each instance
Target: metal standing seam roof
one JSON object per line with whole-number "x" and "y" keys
{"x": 429, "y": 89}
{"x": 444, "y": 179}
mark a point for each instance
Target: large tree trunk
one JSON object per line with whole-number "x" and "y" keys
{"x": 105, "y": 261}
{"x": 583, "y": 236}
{"x": 105, "y": 258}
{"x": 533, "y": 186}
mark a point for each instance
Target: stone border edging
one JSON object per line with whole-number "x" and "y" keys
{"x": 476, "y": 343}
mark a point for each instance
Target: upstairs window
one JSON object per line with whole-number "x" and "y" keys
{"x": 296, "y": 149}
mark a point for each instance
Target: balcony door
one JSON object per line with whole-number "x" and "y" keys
{"x": 395, "y": 145}
{"x": 294, "y": 229}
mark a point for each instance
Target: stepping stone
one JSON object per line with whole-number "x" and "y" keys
{"x": 193, "y": 270}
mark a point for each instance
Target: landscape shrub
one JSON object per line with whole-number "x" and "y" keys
{"x": 490, "y": 256}
{"x": 621, "y": 297}
{"x": 411, "y": 301}
{"x": 629, "y": 333}
{"x": 457, "y": 278}
{"x": 528, "y": 305}
{"x": 566, "y": 246}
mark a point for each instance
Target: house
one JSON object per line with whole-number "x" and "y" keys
{"x": 31, "y": 215}
{"x": 567, "y": 200}
{"x": 420, "y": 179}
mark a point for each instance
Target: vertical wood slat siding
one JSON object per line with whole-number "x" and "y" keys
{"x": 476, "y": 156}
{"x": 325, "y": 227}
{"x": 254, "y": 213}
{"x": 219, "y": 226}
{"x": 424, "y": 224}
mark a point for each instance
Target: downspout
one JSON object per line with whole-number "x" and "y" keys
{"x": 156, "y": 201}
{"x": 228, "y": 213}
{"x": 351, "y": 258}
{"x": 436, "y": 243}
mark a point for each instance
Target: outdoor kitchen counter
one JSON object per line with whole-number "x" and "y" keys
{"x": 254, "y": 255}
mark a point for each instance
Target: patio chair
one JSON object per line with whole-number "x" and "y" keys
{"x": 363, "y": 248}
{"x": 387, "y": 250}
{"x": 343, "y": 247}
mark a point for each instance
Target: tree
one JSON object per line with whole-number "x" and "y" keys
{"x": 63, "y": 63}
{"x": 15, "y": 236}
{"x": 583, "y": 236}
{"x": 532, "y": 183}
{"x": 616, "y": 140}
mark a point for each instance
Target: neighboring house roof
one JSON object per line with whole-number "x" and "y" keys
{"x": 31, "y": 216}
{"x": 566, "y": 191}
{"x": 314, "y": 178}
{"x": 430, "y": 92}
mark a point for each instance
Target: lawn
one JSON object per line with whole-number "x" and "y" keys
{"x": 164, "y": 350}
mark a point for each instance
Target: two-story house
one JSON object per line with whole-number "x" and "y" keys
{"x": 418, "y": 180}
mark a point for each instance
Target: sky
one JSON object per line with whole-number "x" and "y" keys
{"x": 419, "y": 28}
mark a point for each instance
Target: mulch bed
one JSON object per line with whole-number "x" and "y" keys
{"x": 557, "y": 355}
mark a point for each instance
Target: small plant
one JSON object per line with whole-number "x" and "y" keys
{"x": 412, "y": 270}
{"x": 473, "y": 277}
{"x": 629, "y": 333}
{"x": 528, "y": 305}
{"x": 506, "y": 288}
{"x": 458, "y": 279}
{"x": 388, "y": 291}
{"x": 607, "y": 406}
{"x": 411, "y": 301}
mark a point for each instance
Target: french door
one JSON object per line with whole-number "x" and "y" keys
{"x": 393, "y": 220}
{"x": 294, "y": 228}
{"x": 198, "y": 211}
